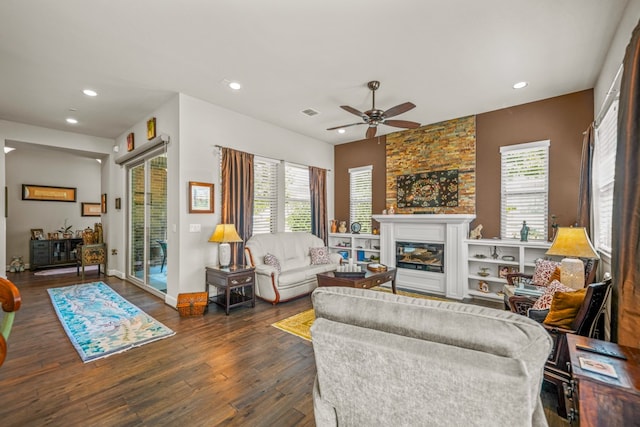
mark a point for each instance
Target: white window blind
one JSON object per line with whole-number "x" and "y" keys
{"x": 604, "y": 161}
{"x": 265, "y": 202}
{"x": 360, "y": 196}
{"x": 297, "y": 201}
{"x": 524, "y": 189}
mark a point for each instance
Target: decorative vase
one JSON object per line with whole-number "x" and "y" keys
{"x": 343, "y": 227}
{"x": 334, "y": 226}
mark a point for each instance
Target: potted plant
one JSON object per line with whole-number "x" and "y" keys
{"x": 66, "y": 230}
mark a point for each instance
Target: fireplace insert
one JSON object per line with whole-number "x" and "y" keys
{"x": 420, "y": 256}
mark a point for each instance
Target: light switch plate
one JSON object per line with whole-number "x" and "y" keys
{"x": 194, "y": 228}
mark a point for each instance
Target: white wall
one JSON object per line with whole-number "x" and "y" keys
{"x": 25, "y": 135}
{"x": 615, "y": 55}
{"x": 30, "y": 165}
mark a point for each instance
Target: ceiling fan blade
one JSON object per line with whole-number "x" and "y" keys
{"x": 399, "y": 109}
{"x": 346, "y": 126}
{"x": 402, "y": 124}
{"x": 371, "y": 132}
{"x": 354, "y": 111}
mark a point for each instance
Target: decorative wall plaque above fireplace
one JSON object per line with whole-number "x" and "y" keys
{"x": 428, "y": 189}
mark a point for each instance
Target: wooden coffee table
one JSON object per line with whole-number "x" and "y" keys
{"x": 370, "y": 279}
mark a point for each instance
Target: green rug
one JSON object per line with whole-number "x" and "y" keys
{"x": 100, "y": 322}
{"x": 300, "y": 324}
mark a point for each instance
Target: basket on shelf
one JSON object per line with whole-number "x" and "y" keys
{"x": 192, "y": 304}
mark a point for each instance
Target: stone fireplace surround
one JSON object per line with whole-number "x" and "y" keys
{"x": 450, "y": 229}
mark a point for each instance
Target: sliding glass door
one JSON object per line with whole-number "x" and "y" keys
{"x": 147, "y": 251}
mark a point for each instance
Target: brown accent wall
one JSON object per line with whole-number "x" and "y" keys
{"x": 561, "y": 120}
{"x": 352, "y": 155}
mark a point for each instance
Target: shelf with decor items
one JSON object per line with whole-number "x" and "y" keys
{"x": 489, "y": 260}
{"x": 360, "y": 247}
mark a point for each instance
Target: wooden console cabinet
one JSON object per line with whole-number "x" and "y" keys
{"x": 52, "y": 253}
{"x": 600, "y": 400}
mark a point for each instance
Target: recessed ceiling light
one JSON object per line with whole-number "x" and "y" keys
{"x": 341, "y": 130}
{"x": 8, "y": 149}
{"x": 235, "y": 85}
{"x": 90, "y": 92}
{"x": 520, "y": 85}
{"x": 71, "y": 120}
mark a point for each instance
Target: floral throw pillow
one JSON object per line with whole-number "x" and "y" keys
{"x": 544, "y": 302}
{"x": 544, "y": 270}
{"x": 272, "y": 260}
{"x": 319, "y": 256}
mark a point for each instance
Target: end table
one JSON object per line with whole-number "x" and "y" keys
{"x": 234, "y": 286}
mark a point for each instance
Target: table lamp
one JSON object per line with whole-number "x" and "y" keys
{"x": 572, "y": 243}
{"x": 224, "y": 234}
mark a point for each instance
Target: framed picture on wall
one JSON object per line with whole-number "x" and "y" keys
{"x": 200, "y": 197}
{"x": 130, "y": 142}
{"x": 151, "y": 128}
{"x": 90, "y": 209}
{"x": 103, "y": 203}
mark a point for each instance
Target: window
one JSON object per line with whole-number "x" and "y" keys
{"x": 525, "y": 189}
{"x": 604, "y": 163}
{"x": 265, "y": 202}
{"x": 360, "y": 190}
{"x": 297, "y": 198}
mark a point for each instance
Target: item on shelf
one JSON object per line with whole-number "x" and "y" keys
{"x": 375, "y": 232}
{"x": 494, "y": 254}
{"x": 476, "y": 233}
{"x": 483, "y": 286}
{"x": 343, "y": 227}
{"x": 524, "y": 232}
{"x": 376, "y": 267}
{"x": 508, "y": 258}
{"x": 480, "y": 256}
{"x": 483, "y": 272}
{"x": 355, "y": 227}
{"x": 391, "y": 210}
{"x": 334, "y": 225}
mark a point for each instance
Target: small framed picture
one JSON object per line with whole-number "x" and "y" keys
{"x": 130, "y": 142}
{"x": 503, "y": 270}
{"x": 151, "y": 128}
{"x": 200, "y": 197}
{"x": 103, "y": 203}
{"x": 118, "y": 203}
{"x": 90, "y": 209}
{"x": 37, "y": 234}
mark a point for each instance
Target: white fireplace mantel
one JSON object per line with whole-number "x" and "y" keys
{"x": 450, "y": 229}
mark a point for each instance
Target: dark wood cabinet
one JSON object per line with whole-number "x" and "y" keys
{"x": 601, "y": 400}
{"x": 51, "y": 253}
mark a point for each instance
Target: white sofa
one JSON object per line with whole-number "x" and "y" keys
{"x": 297, "y": 275}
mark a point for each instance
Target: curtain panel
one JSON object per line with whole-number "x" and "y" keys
{"x": 237, "y": 196}
{"x": 625, "y": 305}
{"x": 585, "y": 201}
{"x": 318, "y": 191}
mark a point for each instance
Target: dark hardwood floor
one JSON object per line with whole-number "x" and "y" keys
{"x": 217, "y": 370}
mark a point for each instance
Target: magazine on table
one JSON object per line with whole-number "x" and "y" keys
{"x": 597, "y": 366}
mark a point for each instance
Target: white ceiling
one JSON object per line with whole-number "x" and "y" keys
{"x": 450, "y": 58}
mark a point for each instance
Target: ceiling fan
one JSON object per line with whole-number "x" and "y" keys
{"x": 375, "y": 117}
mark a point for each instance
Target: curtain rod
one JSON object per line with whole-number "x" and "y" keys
{"x": 280, "y": 160}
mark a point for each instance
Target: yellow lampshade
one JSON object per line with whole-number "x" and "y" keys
{"x": 572, "y": 242}
{"x": 225, "y": 233}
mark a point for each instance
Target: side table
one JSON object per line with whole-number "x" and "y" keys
{"x": 234, "y": 286}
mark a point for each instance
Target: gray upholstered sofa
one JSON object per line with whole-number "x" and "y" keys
{"x": 291, "y": 252}
{"x": 385, "y": 359}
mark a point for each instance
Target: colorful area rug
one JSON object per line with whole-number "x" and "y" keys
{"x": 300, "y": 324}
{"x": 100, "y": 322}
{"x": 66, "y": 270}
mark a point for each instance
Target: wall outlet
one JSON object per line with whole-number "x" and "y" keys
{"x": 194, "y": 228}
